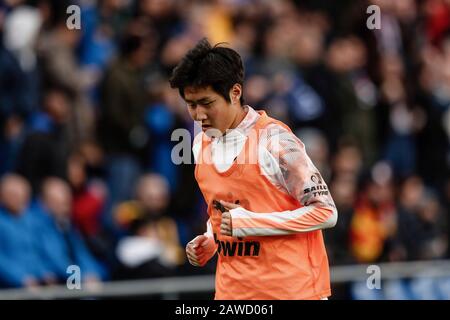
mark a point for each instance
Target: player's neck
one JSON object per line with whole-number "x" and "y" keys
{"x": 240, "y": 115}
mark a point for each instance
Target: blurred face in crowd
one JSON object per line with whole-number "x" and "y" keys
{"x": 69, "y": 37}
{"x": 13, "y": 3}
{"x": 344, "y": 192}
{"x": 143, "y": 55}
{"x": 211, "y": 110}
{"x": 76, "y": 171}
{"x": 380, "y": 193}
{"x": 139, "y": 43}
{"x": 316, "y": 145}
{"x": 14, "y": 193}
{"x": 406, "y": 10}
{"x": 257, "y": 89}
{"x": 348, "y": 160}
{"x": 153, "y": 193}
{"x": 57, "y": 106}
{"x": 57, "y": 198}
{"x": 308, "y": 48}
{"x": 156, "y": 8}
{"x": 346, "y": 54}
{"x": 113, "y": 4}
{"x": 430, "y": 209}
{"x": 174, "y": 50}
{"x": 412, "y": 192}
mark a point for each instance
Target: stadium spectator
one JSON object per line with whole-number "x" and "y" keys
{"x": 123, "y": 98}
{"x": 60, "y": 242}
{"x": 421, "y": 222}
{"x": 374, "y": 223}
{"x": 151, "y": 247}
{"x": 47, "y": 145}
{"x": 20, "y": 263}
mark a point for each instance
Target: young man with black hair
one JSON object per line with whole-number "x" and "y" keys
{"x": 267, "y": 202}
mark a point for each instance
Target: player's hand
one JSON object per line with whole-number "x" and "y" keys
{"x": 226, "y": 227}
{"x": 200, "y": 250}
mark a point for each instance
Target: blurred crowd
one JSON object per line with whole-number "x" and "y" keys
{"x": 86, "y": 118}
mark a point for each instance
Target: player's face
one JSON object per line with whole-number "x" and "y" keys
{"x": 209, "y": 108}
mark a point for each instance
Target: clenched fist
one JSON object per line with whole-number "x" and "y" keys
{"x": 200, "y": 250}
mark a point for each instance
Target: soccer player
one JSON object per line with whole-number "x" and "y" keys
{"x": 267, "y": 202}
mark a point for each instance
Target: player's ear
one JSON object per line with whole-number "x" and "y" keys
{"x": 235, "y": 93}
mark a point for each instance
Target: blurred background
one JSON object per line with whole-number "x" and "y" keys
{"x": 86, "y": 118}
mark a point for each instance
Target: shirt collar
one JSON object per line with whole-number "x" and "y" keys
{"x": 244, "y": 126}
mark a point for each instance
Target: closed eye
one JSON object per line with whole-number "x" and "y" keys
{"x": 203, "y": 103}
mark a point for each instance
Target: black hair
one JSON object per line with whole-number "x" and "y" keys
{"x": 204, "y": 65}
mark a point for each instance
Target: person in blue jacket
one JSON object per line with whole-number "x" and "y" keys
{"x": 20, "y": 263}
{"x": 61, "y": 244}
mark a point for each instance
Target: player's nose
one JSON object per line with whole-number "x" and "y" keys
{"x": 201, "y": 116}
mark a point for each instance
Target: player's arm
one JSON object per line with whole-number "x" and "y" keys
{"x": 294, "y": 172}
